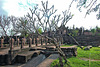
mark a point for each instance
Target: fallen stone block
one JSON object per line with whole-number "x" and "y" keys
{"x": 87, "y": 48}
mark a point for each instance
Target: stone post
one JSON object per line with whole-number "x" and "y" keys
{"x": 11, "y": 43}
{"x": 37, "y": 42}
{"x": 18, "y": 42}
{"x": 41, "y": 41}
{"x": 34, "y": 41}
{"x": 30, "y": 42}
{"x": 23, "y": 42}
{"x": 46, "y": 40}
{"x": 2, "y": 41}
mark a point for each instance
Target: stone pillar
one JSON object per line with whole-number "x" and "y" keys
{"x": 11, "y": 43}
{"x": 37, "y": 42}
{"x": 2, "y": 41}
{"x": 30, "y": 42}
{"x": 18, "y": 41}
{"x": 46, "y": 41}
{"x": 41, "y": 41}
{"x": 23, "y": 42}
{"x": 34, "y": 41}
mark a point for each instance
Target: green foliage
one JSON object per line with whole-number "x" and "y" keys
{"x": 95, "y": 64}
{"x": 26, "y": 35}
{"x": 75, "y": 32}
{"x": 72, "y": 15}
{"x": 54, "y": 63}
{"x": 40, "y": 30}
{"x": 75, "y": 62}
{"x": 93, "y": 31}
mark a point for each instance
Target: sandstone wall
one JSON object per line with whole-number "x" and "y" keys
{"x": 83, "y": 40}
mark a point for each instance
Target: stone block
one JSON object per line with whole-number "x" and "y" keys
{"x": 25, "y": 56}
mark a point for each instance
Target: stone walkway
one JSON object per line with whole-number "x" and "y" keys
{"x": 86, "y": 59}
{"x": 49, "y": 60}
{"x": 34, "y": 61}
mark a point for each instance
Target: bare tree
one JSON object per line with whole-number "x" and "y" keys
{"x": 4, "y": 25}
{"x": 46, "y": 19}
{"x": 21, "y": 26}
{"x": 90, "y": 5}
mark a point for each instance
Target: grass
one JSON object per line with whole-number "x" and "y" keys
{"x": 93, "y": 53}
{"x": 66, "y": 45}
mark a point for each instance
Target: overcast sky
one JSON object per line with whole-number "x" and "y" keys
{"x": 21, "y": 7}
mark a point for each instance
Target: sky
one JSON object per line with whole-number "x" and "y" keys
{"x": 21, "y": 7}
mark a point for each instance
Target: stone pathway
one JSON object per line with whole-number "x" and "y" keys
{"x": 86, "y": 59}
{"x": 49, "y": 60}
{"x": 34, "y": 61}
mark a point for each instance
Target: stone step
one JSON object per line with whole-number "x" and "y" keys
{"x": 25, "y": 56}
{"x": 34, "y": 61}
{"x": 49, "y": 60}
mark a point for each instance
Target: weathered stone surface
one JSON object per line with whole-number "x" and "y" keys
{"x": 98, "y": 46}
{"x": 23, "y": 42}
{"x": 35, "y": 61}
{"x": 83, "y": 40}
{"x": 11, "y": 43}
{"x": 81, "y": 47}
{"x": 70, "y": 51}
{"x": 2, "y": 41}
{"x": 51, "y": 48}
{"x": 25, "y": 56}
{"x": 18, "y": 42}
{"x": 87, "y": 48}
{"x": 49, "y": 60}
{"x": 30, "y": 42}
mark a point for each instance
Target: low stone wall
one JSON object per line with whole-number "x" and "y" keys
{"x": 83, "y": 40}
{"x": 69, "y": 51}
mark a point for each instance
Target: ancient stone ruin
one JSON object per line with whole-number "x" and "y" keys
{"x": 26, "y": 50}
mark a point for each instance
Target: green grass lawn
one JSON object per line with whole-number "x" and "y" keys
{"x": 93, "y": 54}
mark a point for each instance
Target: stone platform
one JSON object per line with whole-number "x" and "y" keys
{"x": 24, "y": 55}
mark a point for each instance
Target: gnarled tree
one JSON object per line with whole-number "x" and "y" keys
{"x": 47, "y": 19}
